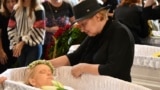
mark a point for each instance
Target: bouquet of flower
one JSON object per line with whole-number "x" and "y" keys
{"x": 63, "y": 39}
{"x": 56, "y": 86}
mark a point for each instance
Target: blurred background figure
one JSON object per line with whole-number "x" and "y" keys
{"x": 130, "y": 14}
{"x": 72, "y": 2}
{"x": 112, "y": 3}
{"x": 59, "y": 16}
{"x": 151, "y": 9}
{"x": 26, "y": 30}
{"x": 6, "y": 57}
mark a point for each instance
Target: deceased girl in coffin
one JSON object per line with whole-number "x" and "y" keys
{"x": 40, "y": 75}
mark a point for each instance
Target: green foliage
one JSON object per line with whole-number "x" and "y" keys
{"x": 68, "y": 38}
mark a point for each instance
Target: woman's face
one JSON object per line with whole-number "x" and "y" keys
{"x": 42, "y": 76}
{"x": 90, "y": 26}
{"x": 26, "y": 3}
{"x": 10, "y": 4}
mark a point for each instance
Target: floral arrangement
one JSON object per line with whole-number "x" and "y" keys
{"x": 156, "y": 55}
{"x": 62, "y": 40}
{"x": 56, "y": 86}
{"x": 37, "y": 62}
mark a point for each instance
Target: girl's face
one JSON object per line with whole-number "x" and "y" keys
{"x": 42, "y": 76}
{"x": 10, "y": 4}
{"x": 26, "y": 3}
{"x": 90, "y": 26}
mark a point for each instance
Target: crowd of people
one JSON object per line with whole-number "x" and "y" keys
{"x": 27, "y": 26}
{"x": 6, "y": 55}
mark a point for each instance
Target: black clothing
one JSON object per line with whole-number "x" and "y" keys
{"x": 5, "y": 43}
{"x": 151, "y": 13}
{"x": 132, "y": 17}
{"x": 57, "y": 15}
{"x": 113, "y": 49}
{"x": 112, "y": 3}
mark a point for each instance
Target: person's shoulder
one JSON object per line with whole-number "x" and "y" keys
{"x": 115, "y": 22}
{"x": 122, "y": 27}
{"x": 15, "y": 7}
{"x": 138, "y": 8}
{"x": 117, "y": 25}
{"x": 45, "y": 3}
{"x": 39, "y": 7}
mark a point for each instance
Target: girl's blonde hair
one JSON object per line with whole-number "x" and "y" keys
{"x": 31, "y": 69}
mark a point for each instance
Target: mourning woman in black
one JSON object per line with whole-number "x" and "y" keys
{"x": 107, "y": 50}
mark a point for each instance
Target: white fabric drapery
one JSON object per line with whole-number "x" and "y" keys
{"x": 144, "y": 56}
{"x": 63, "y": 75}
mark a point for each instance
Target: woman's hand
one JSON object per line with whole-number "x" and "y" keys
{"x": 3, "y": 57}
{"x": 2, "y": 79}
{"x": 78, "y": 69}
{"x": 52, "y": 29}
{"x": 82, "y": 68}
{"x": 17, "y": 49}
